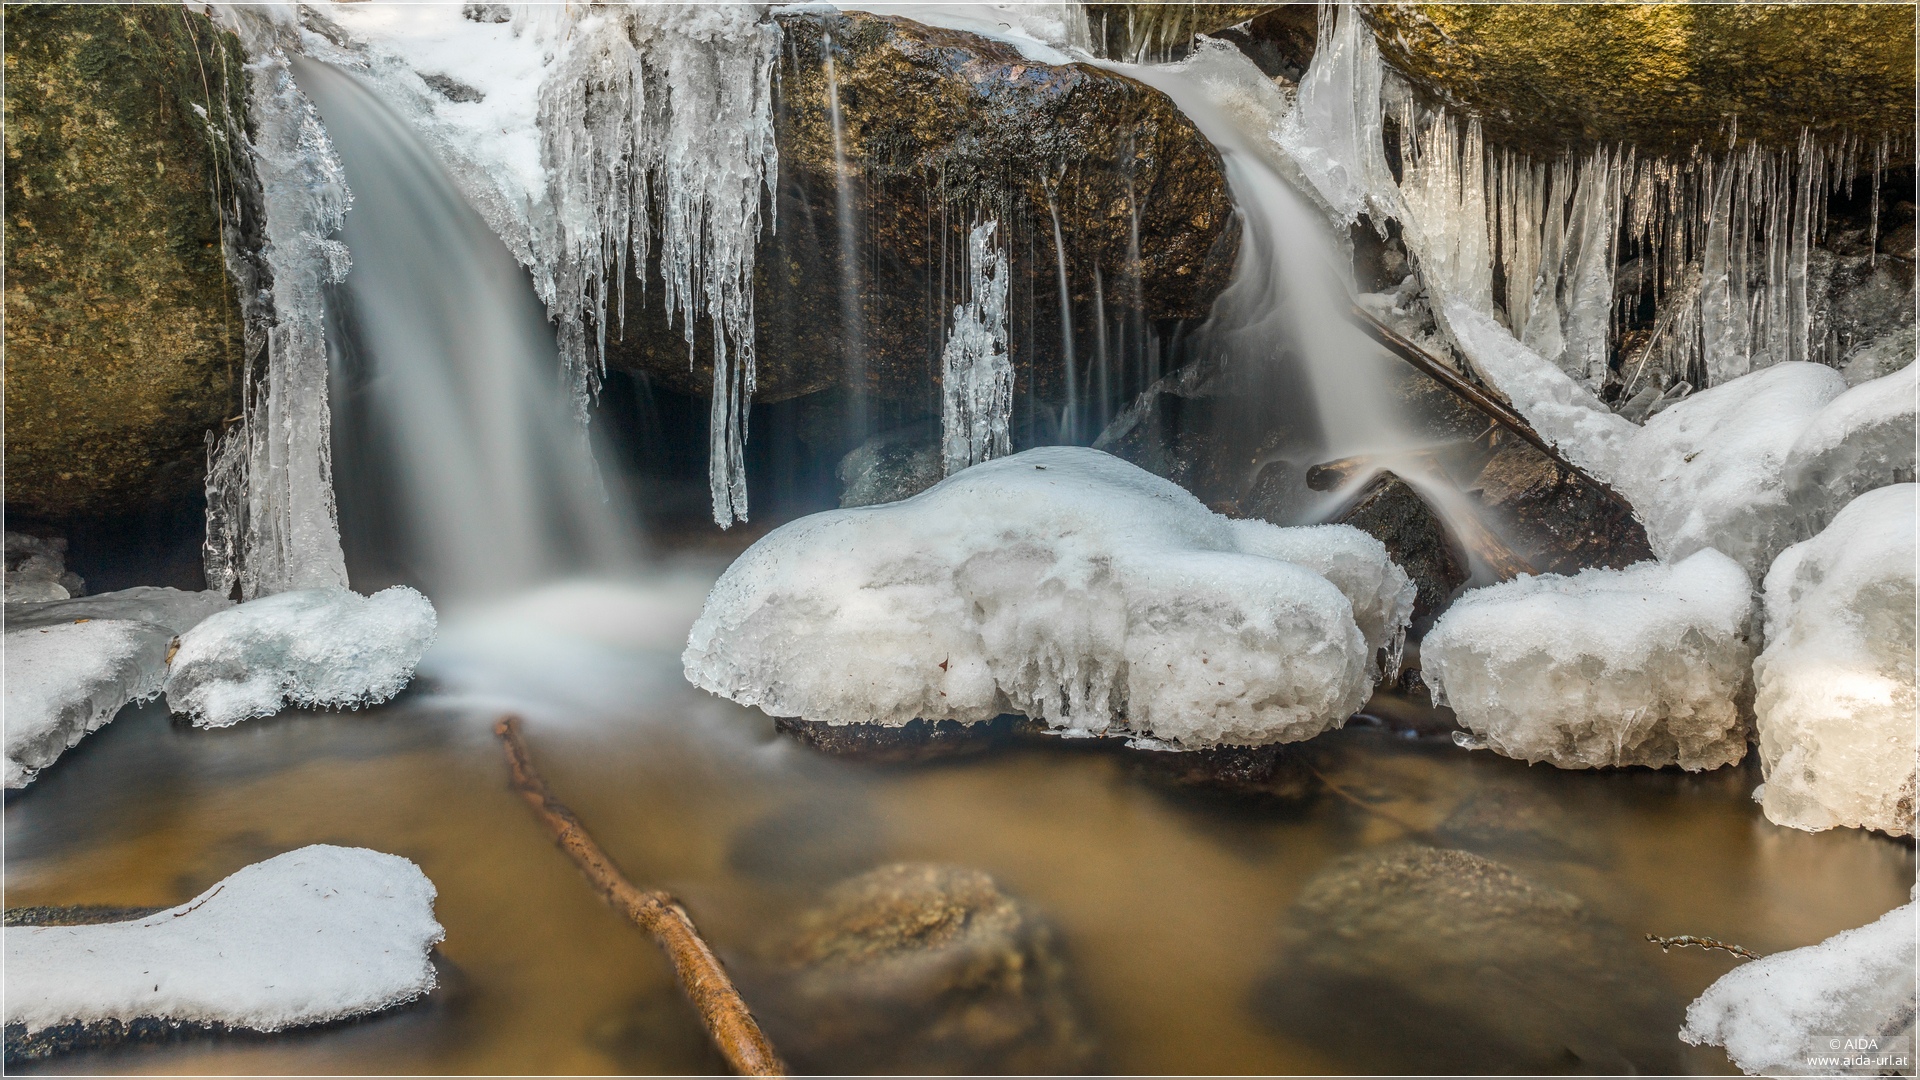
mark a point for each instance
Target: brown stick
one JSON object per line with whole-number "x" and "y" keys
{"x": 1685, "y": 940}
{"x": 728, "y": 1021}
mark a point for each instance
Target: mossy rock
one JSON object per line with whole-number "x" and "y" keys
{"x": 124, "y": 341}
{"x": 1660, "y": 76}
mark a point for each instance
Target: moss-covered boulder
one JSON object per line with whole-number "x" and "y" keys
{"x": 124, "y": 342}
{"x": 937, "y": 128}
{"x": 1660, "y": 76}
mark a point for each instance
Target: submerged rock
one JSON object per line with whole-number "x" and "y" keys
{"x": 915, "y": 968}
{"x": 1420, "y": 960}
{"x": 916, "y": 740}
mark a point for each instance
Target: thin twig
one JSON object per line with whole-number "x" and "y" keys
{"x": 1684, "y": 940}
{"x": 728, "y": 1021}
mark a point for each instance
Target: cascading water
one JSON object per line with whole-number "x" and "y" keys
{"x": 853, "y": 322}
{"x": 458, "y": 449}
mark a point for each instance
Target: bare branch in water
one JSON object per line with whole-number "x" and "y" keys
{"x": 727, "y": 1019}
{"x": 1684, "y": 940}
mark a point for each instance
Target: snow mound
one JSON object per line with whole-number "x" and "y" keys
{"x": 309, "y": 647}
{"x": 1608, "y": 667}
{"x": 1062, "y": 583}
{"x": 1776, "y": 1015}
{"x": 176, "y": 609}
{"x": 67, "y": 680}
{"x": 1835, "y": 687}
{"x": 1709, "y": 471}
{"x": 303, "y": 938}
{"x": 1863, "y": 439}
{"x": 1357, "y": 564}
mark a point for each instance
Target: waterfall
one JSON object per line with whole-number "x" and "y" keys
{"x": 1070, "y": 413}
{"x": 853, "y": 323}
{"x": 976, "y": 371}
{"x": 461, "y": 453}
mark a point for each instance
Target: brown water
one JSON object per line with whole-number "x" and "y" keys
{"x": 1169, "y": 904}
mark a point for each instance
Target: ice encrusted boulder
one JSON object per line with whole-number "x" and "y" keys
{"x": 66, "y": 680}
{"x": 178, "y": 610}
{"x": 1775, "y": 1015}
{"x": 1062, "y": 583}
{"x": 1710, "y": 470}
{"x": 1835, "y": 687}
{"x": 308, "y": 648}
{"x": 1640, "y": 666}
{"x": 1863, "y": 439}
{"x": 306, "y": 937}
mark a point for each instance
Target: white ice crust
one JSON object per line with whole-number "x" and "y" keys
{"x": 69, "y": 679}
{"x": 309, "y": 648}
{"x": 1769, "y": 1013}
{"x": 1062, "y": 583}
{"x": 1861, "y": 440}
{"x": 313, "y": 935}
{"x": 178, "y": 610}
{"x": 1836, "y": 699}
{"x": 1608, "y": 667}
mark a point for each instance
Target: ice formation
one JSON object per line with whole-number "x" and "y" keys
{"x": 67, "y": 680}
{"x": 1781, "y": 1014}
{"x": 309, "y": 648}
{"x": 1861, "y": 440}
{"x": 1333, "y": 133}
{"x": 36, "y": 570}
{"x": 271, "y": 524}
{"x": 1836, "y": 698}
{"x": 175, "y": 609}
{"x": 1640, "y": 666}
{"x": 1062, "y": 583}
{"x": 976, "y": 373}
{"x": 313, "y": 935}
{"x": 1710, "y": 471}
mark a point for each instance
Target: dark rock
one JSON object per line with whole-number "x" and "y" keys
{"x": 1898, "y": 242}
{"x": 452, "y": 89}
{"x": 487, "y": 13}
{"x": 1274, "y": 772}
{"x": 74, "y": 915}
{"x": 124, "y": 341}
{"x": 916, "y": 968}
{"x": 1420, "y": 960}
{"x": 917, "y": 740}
{"x": 939, "y": 126}
{"x": 1556, "y": 519}
{"x": 1416, "y": 538}
{"x": 889, "y": 467}
{"x": 1280, "y": 41}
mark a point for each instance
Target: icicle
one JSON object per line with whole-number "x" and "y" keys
{"x": 1333, "y": 135}
{"x": 1443, "y": 184}
{"x": 976, "y": 372}
{"x": 1807, "y": 183}
{"x": 1725, "y": 351}
{"x": 1542, "y": 331}
{"x": 1873, "y": 212}
{"x": 1589, "y": 286}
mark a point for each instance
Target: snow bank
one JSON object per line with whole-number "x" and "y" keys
{"x": 303, "y": 938}
{"x": 311, "y": 648}
{"x": 1861, "y": 440}
{"x": 1709, "y": 471}
{"x": 67, "y": 680}
{"x": 1836, "y": 685}
{"x": 1775, "y": 1014}
{"x": 1607, "y": 667}
{"x": 176, "y": 609}
{"x": 1062, "y": 583}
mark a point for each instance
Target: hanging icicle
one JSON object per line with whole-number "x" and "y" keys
{"x": 976, "y": 371}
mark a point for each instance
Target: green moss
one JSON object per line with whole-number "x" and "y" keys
{"x": 123, "y": 339}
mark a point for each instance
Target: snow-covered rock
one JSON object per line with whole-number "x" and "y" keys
{"x": 1863, "y": 439}
{"x": 1835, "y": 687}
{"x": 313, "y": 935}
{"x": 308, "y": 647}
{"x": 176, "y": 609}
{"x": 1640, "y": 666}
{"x": 66, "y": 680}
{"x": 1709, "y": 471}
{"x": 1358, "y": 565}
{"x": 1062, "y": 583}
{"x": 1777, "y": 1015}
{"x": 36, "y": 569}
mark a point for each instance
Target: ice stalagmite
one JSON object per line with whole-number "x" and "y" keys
{"x": 977, "y": 375}
{"x": 659, "y": 113}
{"x": 271, "y": 522}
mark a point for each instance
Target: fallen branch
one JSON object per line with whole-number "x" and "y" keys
{"x": 1684, "y": 940}
{"x": 728, "y": 1021}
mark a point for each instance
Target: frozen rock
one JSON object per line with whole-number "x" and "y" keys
{"x": 36, "y": 570}
{"x": 309, "y": 648}
{"x": 67, "y": 680}
{"x": 1358, "y": 565}
{"x": 310, "y": 936}
{"x": 1710, "y": 471}
{"x": 176, "y": 609}
{"x": 1640, "y": 666}
{"x": 1776, "y": 1015}
{"x": 1061, "y": 583}
{"x": 1863, "y": 439}
{"x": 1835, "y": 687}
{"x": 1881, "y": 357}
{"x": 887, "y": 468}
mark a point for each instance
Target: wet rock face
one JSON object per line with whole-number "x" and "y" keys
{"x": 1437, "y": 961}
{"x": 1662, "y": 77}
{"x": 124, "y": 343}
{"x": 937, "y": 127}
{"x": 1415, "y": 536}
{"x": 916, "y": 968}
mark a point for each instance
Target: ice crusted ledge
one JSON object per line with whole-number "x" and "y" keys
{"x": 314, "y": 935}
{"x": 1769, "y": 1013}
{"x": 1608, "y": 667}
{"x": 309, "y": 647}
{"x": 1836, "y": 688}
{"x": 67, "y": 680}
{"x": 1065, "y": 584}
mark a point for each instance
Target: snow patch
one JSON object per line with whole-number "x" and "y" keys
{"x": 67, "y": 680}
{"x": 1861, "y": 440}
{"x": 309, "y": 648}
